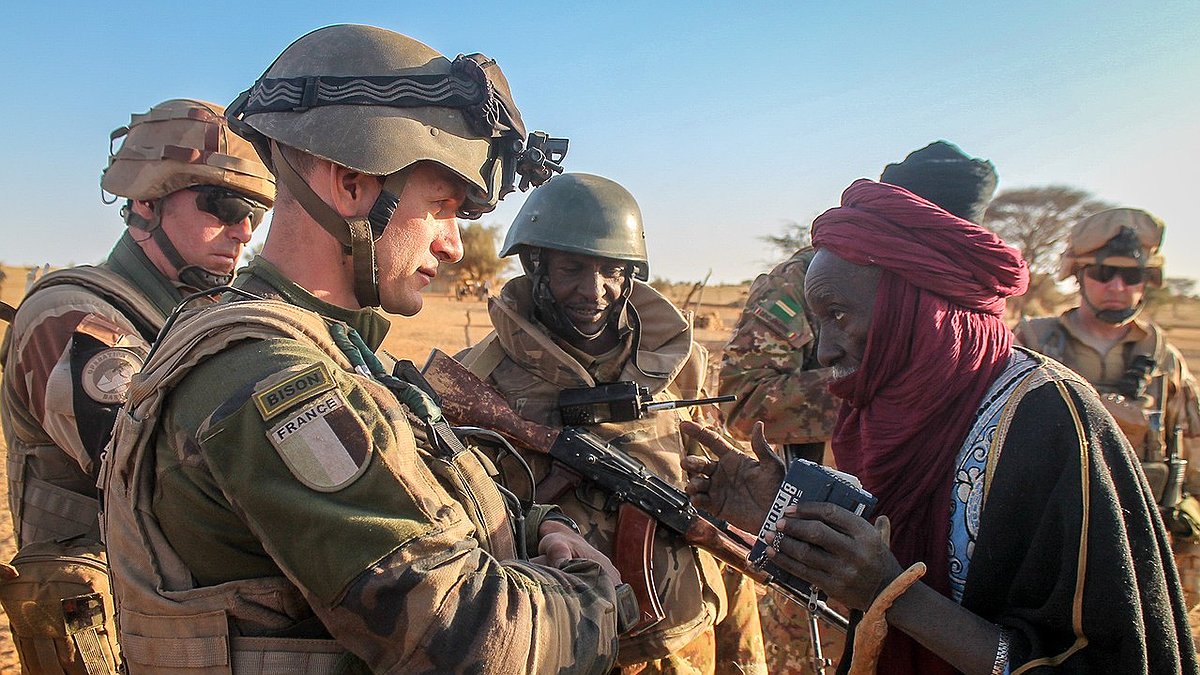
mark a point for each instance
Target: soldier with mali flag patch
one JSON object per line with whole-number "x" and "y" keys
{"x": 770, "y": 362}
{"x": 281, "y": 498}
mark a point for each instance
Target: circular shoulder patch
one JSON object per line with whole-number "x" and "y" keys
{"x": 106, "y": 376}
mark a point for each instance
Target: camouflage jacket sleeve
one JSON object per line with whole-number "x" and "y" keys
{"x": 1183, "y": 411}
{"x": 770, "y": 363}
{"x": 70, "y": 359}
{"x": 326, "y": 483}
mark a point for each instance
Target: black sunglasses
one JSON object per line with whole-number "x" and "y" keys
{"x": 1132, "y": 276}
{"x": 228, "y": 206}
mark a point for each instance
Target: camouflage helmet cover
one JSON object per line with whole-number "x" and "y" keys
{"x": 367, "y": 134}
{"x": 180, "y": 143}
{"x": 1117, "y": 237}
{"x": 581, "y": 213}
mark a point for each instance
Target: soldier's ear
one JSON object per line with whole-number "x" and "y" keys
{"x": 144, "y": 208}
{"x": 351, "y": 193}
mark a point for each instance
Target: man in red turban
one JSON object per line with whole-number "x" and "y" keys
{"x": 997, "y": 469}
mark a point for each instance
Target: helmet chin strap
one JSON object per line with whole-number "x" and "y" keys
{"x": 550, "y": 313}
{"x": 1115, "y": 317}
{"x": 192, "y": 275}
{"x": 356, "y": 235}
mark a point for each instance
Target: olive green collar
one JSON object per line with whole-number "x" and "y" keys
{"x": 130, "y": 261}
{"x": 263, "y": 278}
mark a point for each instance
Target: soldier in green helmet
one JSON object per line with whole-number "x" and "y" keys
{"x": 279, "y": 497}
{"x": 1142, "y": 378}
{"x": 193, "y": 193}
{"x": 582, "y": 316}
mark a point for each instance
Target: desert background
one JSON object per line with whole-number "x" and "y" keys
{"x": 451, "y": 324}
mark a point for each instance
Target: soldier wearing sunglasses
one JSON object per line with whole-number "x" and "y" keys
{"x": 194, "y": 192}
{"x": 1142, "y": 379}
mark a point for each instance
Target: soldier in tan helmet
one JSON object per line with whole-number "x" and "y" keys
{"x": 194, "y": 193}
{"x": 278, "y": 496}
{"x": 1142, "y": 379}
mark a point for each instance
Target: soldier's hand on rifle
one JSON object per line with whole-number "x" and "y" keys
{"x": 560, "y": 543}
{"x": 734, "y": 486}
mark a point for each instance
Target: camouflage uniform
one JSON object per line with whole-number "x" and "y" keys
{"x": 1171, "y": 397}
{"x": 69, "y": 355}
{"x": 74, "y": 346}
{"x": 527, "y": 365}
{"x": 291, "y": 488}
{"x": 77, "y": 339}
{"x": 770, "y": 364}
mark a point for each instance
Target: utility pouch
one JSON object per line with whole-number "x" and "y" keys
{"x": 59, "y": 605}
{"x": 1132, "y": 420}
{"x": 1184, "y": 520}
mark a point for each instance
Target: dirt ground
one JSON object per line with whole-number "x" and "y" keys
{"x": 452, "y": 325}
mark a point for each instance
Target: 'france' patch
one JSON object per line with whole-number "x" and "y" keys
{"x": 273, "y": 397}
{"x": 323, "y": 443}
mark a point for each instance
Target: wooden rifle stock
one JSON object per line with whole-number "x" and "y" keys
{"x": 468, "y": 400}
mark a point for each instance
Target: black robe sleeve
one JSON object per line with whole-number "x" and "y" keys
{"x": 1081, "y": 588}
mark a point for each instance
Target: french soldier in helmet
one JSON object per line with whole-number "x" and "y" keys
{"x": 281, "y": 496}
{"x": 194, "y": 192}
{"x": 1143, "y": 380}
{"x": 582, "y": 317}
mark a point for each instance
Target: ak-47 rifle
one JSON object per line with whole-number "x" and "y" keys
{"x": 644, "y": 499}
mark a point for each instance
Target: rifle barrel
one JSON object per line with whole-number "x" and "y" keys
{"x": 684, "y": 403}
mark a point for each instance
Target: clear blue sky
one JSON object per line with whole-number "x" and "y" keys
{"x": 725, "y": 120}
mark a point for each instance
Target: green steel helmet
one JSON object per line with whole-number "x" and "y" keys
{"x": 581, "y": 213}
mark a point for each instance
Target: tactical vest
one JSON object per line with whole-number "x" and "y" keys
{"x": 1142, "y": 420}
{"x": 689, "y": 580}
{"x": 56, "y": 592}
{"x": 41, "y": 509}
{"x": 166, "y": 623}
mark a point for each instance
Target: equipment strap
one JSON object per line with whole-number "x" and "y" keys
{"x": 461, "y": 466}
{"x": 474, "y": 84}
{"x": 115, "y": 289}
{"x": 354, "y": 234}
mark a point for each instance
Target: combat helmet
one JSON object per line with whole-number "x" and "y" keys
{"x": 581, "y": 213}
{"x": 1115, "y": 238}
{"x": 378, "y": 102}
{"x": 178, "y": 144}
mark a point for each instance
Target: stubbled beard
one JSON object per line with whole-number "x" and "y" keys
{"x": 840, "y": 372}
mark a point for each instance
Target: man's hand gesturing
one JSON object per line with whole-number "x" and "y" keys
{"x": 734, "y": 486}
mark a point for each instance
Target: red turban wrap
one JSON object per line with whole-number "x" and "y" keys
{"x": 936, "y": 343}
